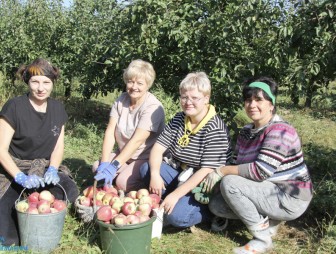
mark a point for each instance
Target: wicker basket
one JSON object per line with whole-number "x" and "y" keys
{"x": 86, "y": 213}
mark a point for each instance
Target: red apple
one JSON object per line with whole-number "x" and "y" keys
{"x": 53, "y": 210}
{"x": 99, "y": 203}
{"x": 32, "y": 210}
{"x": 22, "y": 206}
{"x": 33, "y": 197}
{"x": 128, "y": 208}
{"x": 155, "y": 198}
{"x": 100, "y": 194}
{"x": 85, "y": 201}
{"x": 46, "y": 195}
{"x": 132, "y": 219}
{"x": 145, "y": 200}
{"x": 59, "y": 205}
{"x": 88, "y": 192}
{"x": 104, "y": 213}
{"x": 120, "y": 219}
{"x": 128, "y": 199}
{"x": 107, "y": 198}
{"x": 110, "y": 189}
{"x": 114, "y": 198}
{"x": 114, "y": 212}
{"x": 141, "y": 193}
{"x": 155, "y": 205}
{"x": 132, "y": 194}
{"x": 145, "y": 208}
{"x": 33, "y": 204}
{"x": 143, "y": 218}
{"x": 43, "y": 208}
{"x": 138, "y": 213}
{"x": 117, "y": 205}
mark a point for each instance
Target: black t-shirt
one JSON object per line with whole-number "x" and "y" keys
{"x": 36, "y": 133}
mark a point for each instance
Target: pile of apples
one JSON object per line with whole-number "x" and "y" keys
{"x": 135, "y": 207}
{"x": 41, "y": 203}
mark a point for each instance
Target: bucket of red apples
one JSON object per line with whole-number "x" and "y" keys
{"x": 113, "y": 207}
{"x": 40, "y": 219}
{"x": 40, "y": 203}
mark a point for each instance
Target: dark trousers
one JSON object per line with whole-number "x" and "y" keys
{"x": 9, "y": 232}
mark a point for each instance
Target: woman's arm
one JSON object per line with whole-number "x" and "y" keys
{"x": 155, "y": 159}
{"x": 6, "y": 135}
{"x": 109, "y": 140}
{"x": 57, "y": 154}
{"x": 170, "y": 201}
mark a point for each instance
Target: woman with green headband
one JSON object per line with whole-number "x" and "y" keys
{"x": 269, "y": 181}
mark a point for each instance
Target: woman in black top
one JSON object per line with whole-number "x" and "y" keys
{"x": 32, "y": 145}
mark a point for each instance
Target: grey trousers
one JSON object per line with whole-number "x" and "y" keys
{"x": 251, "y": 201}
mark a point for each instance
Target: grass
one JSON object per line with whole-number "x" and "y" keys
{"x": 314, "y": 232}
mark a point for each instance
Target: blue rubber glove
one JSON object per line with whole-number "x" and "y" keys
{"x": 107, "y": 172}
{"x": 31, "y": 181}
{"x": 51, "y": 176}
{"x": 102, "y": 166}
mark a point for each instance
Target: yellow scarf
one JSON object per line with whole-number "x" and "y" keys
{"x": 184, "y": 140}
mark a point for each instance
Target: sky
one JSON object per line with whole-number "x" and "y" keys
{"x": 67, "y": 3}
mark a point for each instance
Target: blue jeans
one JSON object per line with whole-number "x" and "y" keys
{"x": 187, "y": 211}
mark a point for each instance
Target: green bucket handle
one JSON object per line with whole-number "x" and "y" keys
{"x": 66, "y": 197}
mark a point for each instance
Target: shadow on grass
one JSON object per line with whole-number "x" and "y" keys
{"x": 88, "y": 112}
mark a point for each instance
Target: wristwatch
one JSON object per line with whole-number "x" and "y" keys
{"x": 116, "y": 164}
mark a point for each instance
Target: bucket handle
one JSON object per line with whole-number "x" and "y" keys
{"x": 94, "y": 195}
{"x": 66, "y": 197}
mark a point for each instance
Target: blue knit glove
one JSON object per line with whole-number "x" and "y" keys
{"x": 51, "y": 176}
{"x": 31, "y": 181}
{"x": 106, "y": 171}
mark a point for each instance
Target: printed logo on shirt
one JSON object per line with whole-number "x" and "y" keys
{"x": 56, "y": 130}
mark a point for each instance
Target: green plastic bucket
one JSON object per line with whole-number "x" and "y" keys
{"x": 127, "y": 239}
{"x": 41, "y": 232}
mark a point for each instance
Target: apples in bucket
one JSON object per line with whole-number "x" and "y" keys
{"x": 136, "y": 207}
{"x": 41, "y": 203}
{"x": 133, "y": 208}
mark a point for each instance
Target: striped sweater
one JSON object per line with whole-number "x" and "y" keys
{"x": 274, "y": 153}
{"x": 209, "y": 147}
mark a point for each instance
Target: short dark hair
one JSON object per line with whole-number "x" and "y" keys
{"x": 249, "y": 92}
{"x": 39, "y": 67}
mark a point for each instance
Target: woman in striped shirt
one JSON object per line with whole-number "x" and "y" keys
{"x": 197, "y": 141}
{"x": 270, "y": 182}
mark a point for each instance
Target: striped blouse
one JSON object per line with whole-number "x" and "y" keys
{"x": 209, "y": 147}
{"x": 274, "y": 153}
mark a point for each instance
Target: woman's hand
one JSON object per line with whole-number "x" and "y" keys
{"x": 156, "y": 184}
{"x": 169, "y": 203}
{"x": 210, "y": 181}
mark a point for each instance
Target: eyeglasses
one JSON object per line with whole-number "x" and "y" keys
{"x": 194, "y": 100}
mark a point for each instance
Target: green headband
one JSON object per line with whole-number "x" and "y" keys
{"x": 263, "y": 86}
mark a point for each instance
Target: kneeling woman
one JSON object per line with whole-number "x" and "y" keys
{"x": 32, "y": 145}
{"x": 270, "y": 182}
{"x": 197, "y": 141}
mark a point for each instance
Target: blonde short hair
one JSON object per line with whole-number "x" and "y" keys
{"x": 196, "y": 80}
{"x": 140, "y": 69}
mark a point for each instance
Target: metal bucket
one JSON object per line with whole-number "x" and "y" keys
{"x": 41, "y": 232}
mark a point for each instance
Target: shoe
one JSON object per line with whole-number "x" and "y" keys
{"x": 219, "y": 224}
